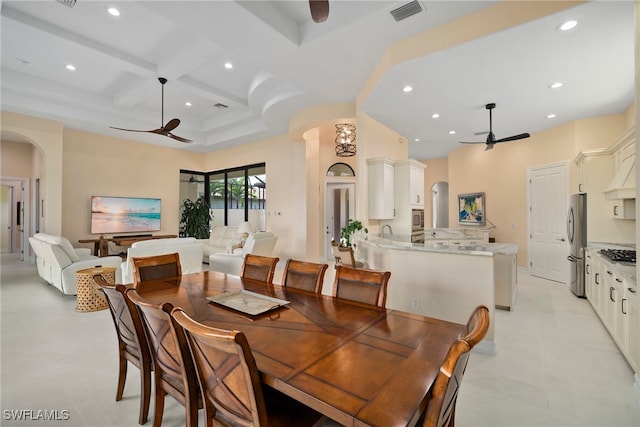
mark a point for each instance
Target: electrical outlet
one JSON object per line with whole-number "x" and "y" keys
{"x": 415, "y": 303}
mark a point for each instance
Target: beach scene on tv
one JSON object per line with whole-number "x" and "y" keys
{"x": 124, "y": 214}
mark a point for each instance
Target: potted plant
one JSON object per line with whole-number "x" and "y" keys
{"x": 195, "y": 218}
{"x": 346, "y": 232}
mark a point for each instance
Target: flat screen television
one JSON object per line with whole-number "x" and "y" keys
{"x": 124, "y": 214}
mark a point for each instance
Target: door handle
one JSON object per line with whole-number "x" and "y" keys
{"x": 561, "y": 239}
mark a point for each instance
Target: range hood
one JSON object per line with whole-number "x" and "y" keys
{"x": 623, "y": 185}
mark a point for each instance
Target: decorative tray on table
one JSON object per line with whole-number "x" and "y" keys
{"x": 247, "y": 302}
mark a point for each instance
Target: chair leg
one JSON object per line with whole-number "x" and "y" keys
{"x": 145, "y": 395}
{"x": 159, "y": 406}
{"x": 122, "y": 375}
{"x": 191, "y": 408}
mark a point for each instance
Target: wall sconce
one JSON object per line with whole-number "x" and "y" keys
{"x": 345, "y": 140}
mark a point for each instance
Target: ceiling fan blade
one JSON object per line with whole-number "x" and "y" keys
{"x": 178, "y": 138}
{"x": 513, "y": 138}
{"x": 134, "y": 130}
{"x": 171, "y": 125}
{"x": 319, "y": 10}
{"x": 471, "y": 142}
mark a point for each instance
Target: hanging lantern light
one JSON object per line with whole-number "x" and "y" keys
{"x": 345, "y": 140}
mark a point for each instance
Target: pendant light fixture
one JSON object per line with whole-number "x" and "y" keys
{"x": 345, "y": 140}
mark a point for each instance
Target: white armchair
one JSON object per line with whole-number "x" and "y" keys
{"x": 257, "y": 244}
{"x": 58, "y": 261}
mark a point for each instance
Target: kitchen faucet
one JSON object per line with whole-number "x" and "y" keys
{"x": 390, "y": 230}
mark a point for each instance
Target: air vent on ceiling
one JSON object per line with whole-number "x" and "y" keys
{"x": 407, "y": 10}
{"x": 69, "y": 3}
{"x": 220, "y": 106}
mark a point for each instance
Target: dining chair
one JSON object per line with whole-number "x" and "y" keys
{"x": 366, "y": 286}
{"x": 231, "y": 386}
{"x": 258, "y": 267}
{"x": 174, "y": 373}
{"x": 132, "y": 342}
{"x": 441, "y": 406}
{"x": 155, "y": 267}
{"x": 308, "y": 276}
{"x": 345, "y": 256}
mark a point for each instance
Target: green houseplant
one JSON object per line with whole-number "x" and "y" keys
{"x": 346, "y": 232}
{"x": 194, "y": 220}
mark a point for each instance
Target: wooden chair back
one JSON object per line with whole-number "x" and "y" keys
{"x": 366, "y": 286}
{"x": 231, "y": 385}
{"x": 174, "y": 372}
{"x": 442, "y": 403}
{"x": 258, "y": 267}
{"x": 308, "y": 276}
{"x": 227, "y": 373}
{"x": 155, "y": 267}
{"x": 132, "y": 342}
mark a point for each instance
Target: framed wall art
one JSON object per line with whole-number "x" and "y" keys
{"x": 471, "y": 210}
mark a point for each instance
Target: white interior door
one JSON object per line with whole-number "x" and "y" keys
{"x": 340, "y": 203}
{"x": 549, "y": 201}
{"x": 6, "y": 219}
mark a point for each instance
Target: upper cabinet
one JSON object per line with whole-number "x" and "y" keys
{"x": 623, "y": 184}
{"x": 381, "y": 178}
{"x": 409, "y": 176}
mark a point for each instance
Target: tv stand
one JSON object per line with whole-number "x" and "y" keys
{"x": 101, "y": 245}
{"x": 125, "y": 236}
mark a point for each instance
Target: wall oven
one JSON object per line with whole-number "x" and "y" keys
{"x": 417, "y": 220}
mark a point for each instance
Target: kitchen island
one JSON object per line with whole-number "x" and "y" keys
{"x": 445, "y": 281}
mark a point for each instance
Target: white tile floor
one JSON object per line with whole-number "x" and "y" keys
{"x": 556, "y": 365}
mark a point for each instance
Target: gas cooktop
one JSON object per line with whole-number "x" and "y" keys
{"x": 624, "y": 255}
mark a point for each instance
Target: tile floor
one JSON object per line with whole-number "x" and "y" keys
{"x": 556, "y": 365}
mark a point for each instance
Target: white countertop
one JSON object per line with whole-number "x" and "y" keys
{"x": 484, "y": 249}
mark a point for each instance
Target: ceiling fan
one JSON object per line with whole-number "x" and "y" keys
{"x": 164, "y": 130}
{"x": 319, "y": 10}
{"x": 192, "y": 180}
{"x": 491, "y": 138}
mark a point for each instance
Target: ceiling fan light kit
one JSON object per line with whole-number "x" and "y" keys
{"x": 491, "y": 138}
{"x": 164, "y": 130}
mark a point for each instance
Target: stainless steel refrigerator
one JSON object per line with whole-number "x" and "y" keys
{"x": 577, "y": 236}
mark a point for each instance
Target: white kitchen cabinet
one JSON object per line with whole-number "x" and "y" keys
{"x": 633, "y": 329}
{"x": 381, "y": 177}
{"x": 588, "y": 276}
{"x": 409, "y": 176}
{"x": 595, "y": 171}
{"x": 622, "y": 313}
{"x": 614, "y": 298}
{"x": 623, "y": 209}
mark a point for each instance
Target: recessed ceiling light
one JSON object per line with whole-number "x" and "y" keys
{"x": 435, "y": 115}
{"x": 70, "y": 67}
{"x": 113, "y": 11}
{"x": 228, "y": 65}
{"x": 452, "y": 132}
{"x": 188, "y": 104}
{"x": 417, "y": 139}
{"x": 555, "y": 85}
{"x": 407, "y": 89}
{"x": 551, "y": 116}
{"x": 568, "y": 25}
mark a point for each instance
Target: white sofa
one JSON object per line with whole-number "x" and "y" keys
{"x": 58, "y": 261}
{"x": 189, "y": 249}
{"x": 221, "y": 240}
{"x": 257, "y": 243}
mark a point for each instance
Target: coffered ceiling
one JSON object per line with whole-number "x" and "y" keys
{"x": 283, "y": 62}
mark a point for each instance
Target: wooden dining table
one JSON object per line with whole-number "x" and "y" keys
{"x": 357, "y": 364}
